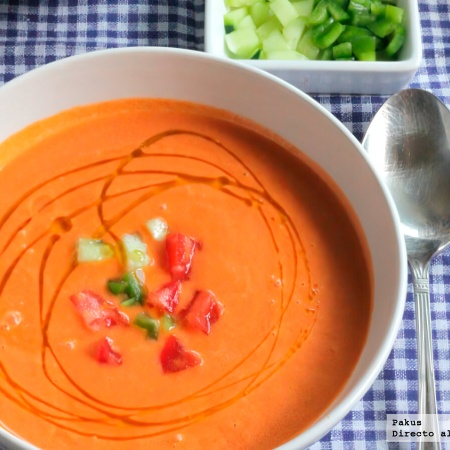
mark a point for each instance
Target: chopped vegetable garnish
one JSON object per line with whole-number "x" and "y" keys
{"x": 108, "y": 353}
{"x": 203, "y": 311}
{"x": 150, "y": 324}
{"x": 135, "y": 252}
{"x": 175, "y": 357}
{"x": 167, "y": 322}
{"x": 180, "y": 250}
{"x": 131, "y": 287}
{"x": 93, "y": 250}
{"x": 166, "y": 298}
{"x": 158, "y": 228}
{"x": 311, "y": 29}
{"x": 97, "y": 312}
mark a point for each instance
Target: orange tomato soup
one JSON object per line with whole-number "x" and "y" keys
{"x": 277, "y": 247}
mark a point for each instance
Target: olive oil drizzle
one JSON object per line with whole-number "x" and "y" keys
{"x": 110, "y": 414}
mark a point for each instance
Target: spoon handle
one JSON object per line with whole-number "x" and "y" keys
{"x": 426, "y": 382}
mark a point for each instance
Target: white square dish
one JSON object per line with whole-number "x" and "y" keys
{"x": 331, "y": 77}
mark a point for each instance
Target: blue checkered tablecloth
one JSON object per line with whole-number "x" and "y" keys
{"x": 36, "y": 32}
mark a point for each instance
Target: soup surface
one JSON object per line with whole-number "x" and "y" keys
{"x": 238, "y": 337}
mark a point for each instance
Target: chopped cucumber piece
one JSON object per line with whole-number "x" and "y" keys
{"x": 275, "y": 41}
{"x": 260, "y": 12}
{"x": 243, "y": 43}
{"x": 307, "y": 47}
{"x": 135, "y": 252}
{"x": 294, "y": 31}
{"x": 93, "y": 250}
{"x": 232, "y": 18}
{"x": 266, "y": 28}
{"x": 304, "y": 7}
{"x": 284, "y": 11}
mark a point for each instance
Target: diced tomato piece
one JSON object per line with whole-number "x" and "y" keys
{"x": 203, "y": 311}
{"x": 108, "y": 353}
{"x": 175, "y": 357}
{"x": 166, "y": 298}
{"x": 180, "y": 250}
{"x": 96, "y": 311}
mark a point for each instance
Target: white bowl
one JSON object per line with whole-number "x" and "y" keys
{"x": 198, "y": 77}
{"x": 331, "y": 77}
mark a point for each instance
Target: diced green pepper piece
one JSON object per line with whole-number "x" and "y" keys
{"x": 326, "y": 36}
{"x": 394, "y": 14}
{"x": 351, "y": 32}
{"x": 134, "y": 288}
{"x": 326, "y": 54}
{"x": 337, "y": 12}
{"x": 377, "y": 9}
{"x": 382, "y": 27}
{"x": 117, "y": 287}
{"x": 319, "y": 14}
{"x": 397, "y": 41}
{"x": 364, "y": 48}
{"x": 343, "y": 50}
{"x": 359, "y": 14}
{"x": 143, "y": 320}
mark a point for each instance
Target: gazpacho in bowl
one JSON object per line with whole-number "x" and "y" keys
{"x": 172, "y": 274}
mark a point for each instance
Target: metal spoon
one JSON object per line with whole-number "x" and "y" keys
{"x": 409, "y": 143}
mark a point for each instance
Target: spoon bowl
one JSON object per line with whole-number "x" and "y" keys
{"x": 408, "y": 142}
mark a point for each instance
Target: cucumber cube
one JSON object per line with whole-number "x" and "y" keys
{"x": 307, "y": 47}
{"x": 232, "y": 18}
{"x": 275, "y": 41}
{"x": 246, "y": 22}
{"x": 304, "y": 7}
{"x": 294, "y": 31}
{"x": 267, "y": 27}
{"x": 242, "y": 43}
{"x": 284, "y": 11}
{"x": 260, "y": 12}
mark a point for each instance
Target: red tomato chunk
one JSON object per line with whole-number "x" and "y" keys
{"x": 203, "y": 311}
{"x": 180, "y": 250}
{"x": 97, "y": 312}
{"x": 175, "y": 357}
{"x": 166, "y": 298}
{"x": 108, "y": 353}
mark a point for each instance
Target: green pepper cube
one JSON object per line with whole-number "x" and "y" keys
{"x": 326, "y": 36}
{"x": 284, "y": 11}
{"x": 117, "y": 287}
{"x": 337, "y": 12}
{"x": 382, "y": 27}
{"x": 319, "y": 14}
{"x": 341, "y": 51}
{"x": 364, "y": 48}
{"x": 168, "y": 323}
{"x": 394, "y": 14}
{"x": 143, "y": 320}
{"x": 397, "y": 41}
{"x": 134, "y": 288}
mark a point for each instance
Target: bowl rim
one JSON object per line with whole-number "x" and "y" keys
{"x": 325, "y": 424}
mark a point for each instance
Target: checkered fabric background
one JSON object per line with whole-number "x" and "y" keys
{"x": 33, "y": 33}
